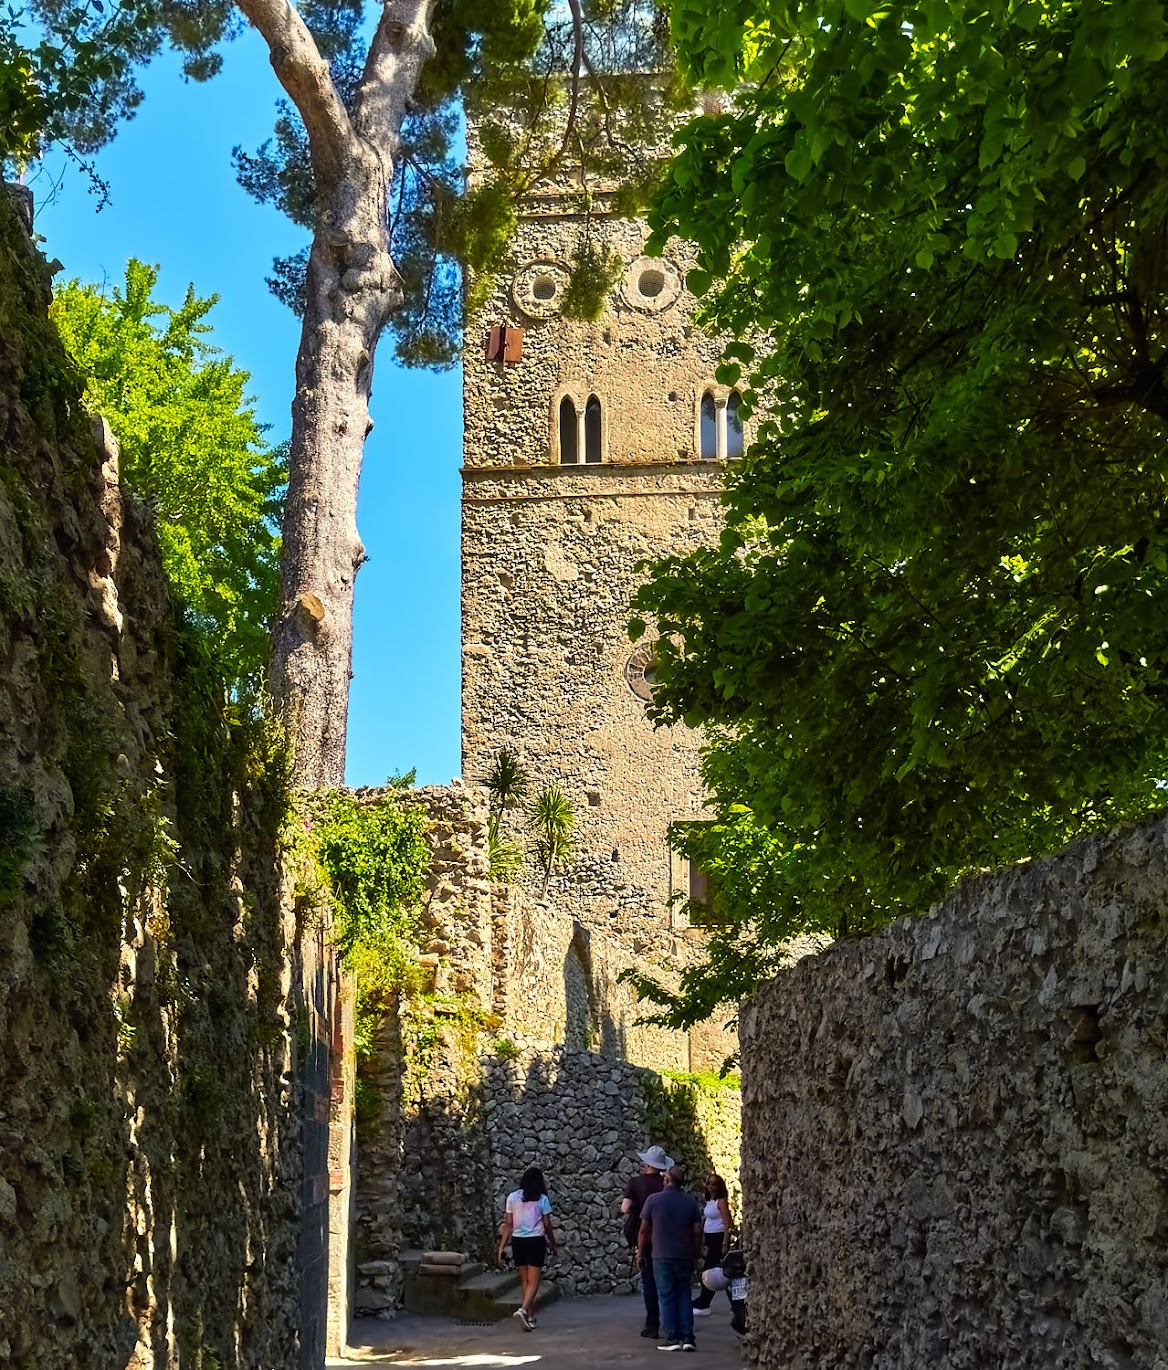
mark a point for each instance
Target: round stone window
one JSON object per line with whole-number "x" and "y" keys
{"x": 651, "y": 284}
{"x": 640, "y": 671}
{"x": 538, "y": 287}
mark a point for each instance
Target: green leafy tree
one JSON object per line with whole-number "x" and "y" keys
{"x": 190, "y": 444}
{"x": 374, "y": 858}
{"x": 933, "y": 637}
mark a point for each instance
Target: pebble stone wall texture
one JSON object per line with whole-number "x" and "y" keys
{"x": 454, "y": 1141}
{"x": 157, "y": 1194}
{"x": 550, "y": 558}
{"x": 581, "y": 1119}
{"x": 955, "y": 1150}
{"x": 469, "y": 1087}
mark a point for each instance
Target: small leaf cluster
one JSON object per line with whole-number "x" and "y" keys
{"x": 373, "y": 856}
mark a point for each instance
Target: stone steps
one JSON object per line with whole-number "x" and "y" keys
{"x": 447, "y": 1283}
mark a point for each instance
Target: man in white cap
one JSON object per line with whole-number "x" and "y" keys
{"x": 650, "y": 1181}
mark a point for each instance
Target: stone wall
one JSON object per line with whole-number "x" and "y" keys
{"x": 153, "y": 1167}
{"x": 551, "y": 552}
{"x": 582, "y": 1119}
{"x": 956, "y": 1140}
{"x": 479, "y": 1109}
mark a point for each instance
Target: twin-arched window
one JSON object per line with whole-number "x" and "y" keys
{"x": 720, "y": 434}
{"x": 581, "y": 430}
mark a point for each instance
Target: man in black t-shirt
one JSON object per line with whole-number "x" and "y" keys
{"x": 650, "y": 1181}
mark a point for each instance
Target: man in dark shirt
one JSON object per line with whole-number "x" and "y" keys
{"x": 638, "y": 1189}
{"x": 671, "y": 1227}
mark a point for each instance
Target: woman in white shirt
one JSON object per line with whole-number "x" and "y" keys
{"x": 717, "y": 1225}
{"x": 528, "y": 1227}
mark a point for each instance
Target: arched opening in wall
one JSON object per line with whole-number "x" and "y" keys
{"x": 581, "y": 1019}
{"x": 569, "y": 446}
{"x": 735, "y": 442}
{"x": 708, "y": 444}
{"x": 592, "y": 430}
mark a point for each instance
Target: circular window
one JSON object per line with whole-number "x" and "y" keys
{"x": 651, "y": 284}
{"x": 640, "y": 671}
{"x": 537, "y": 288}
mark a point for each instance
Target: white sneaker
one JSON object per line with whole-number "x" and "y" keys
{"x": 670, "y": 1346}
{"x": 701, "y": 1312}
{"x": 522, "y": 1317}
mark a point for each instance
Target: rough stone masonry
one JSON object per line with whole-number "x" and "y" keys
{"x": 955, "y": 1147}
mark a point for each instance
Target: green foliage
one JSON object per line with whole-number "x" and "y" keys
{"x": 671, "y": 1116}
{"x": 20, "y": 838}
{"x": 373, "y": 857}
{"x": 594, "y": 271}
{"x": 551, "y": 820}
{"x": 506, "y": 783}
{"x": 190, "y": 444}
{"x": 933, "y": 637}
{"x": 22, "y": 105}
{"x": 505, "y": 1049}
{"x": 368, "y": 1102}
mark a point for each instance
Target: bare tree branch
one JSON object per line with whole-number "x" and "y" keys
{"x": 305, "y": 75}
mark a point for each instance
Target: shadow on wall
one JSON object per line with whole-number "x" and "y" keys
{"x": 446, "y": 1146}
{"x": 148, "y": 1128}
{"x": 586, "y": 1026}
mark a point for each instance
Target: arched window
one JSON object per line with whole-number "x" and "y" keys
{"x": 592, "y": 435}
{"x": 734, "y": 437}
{"x": 569, "y": 440}
{"x": 709, "y": 428}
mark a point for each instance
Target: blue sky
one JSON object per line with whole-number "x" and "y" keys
{"x": 175, "y": 202}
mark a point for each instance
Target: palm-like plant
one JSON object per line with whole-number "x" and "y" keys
{"x": 506, "y": 783}
{"x": 551, "y": 821}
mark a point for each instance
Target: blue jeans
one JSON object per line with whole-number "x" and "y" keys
{"x": 673, "y": 1294}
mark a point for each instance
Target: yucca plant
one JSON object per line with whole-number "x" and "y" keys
{"x": 551, "y": 820}
{"x": 506, "y": 783}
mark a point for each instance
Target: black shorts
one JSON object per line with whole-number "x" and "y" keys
{"x": 529, "y": 1251}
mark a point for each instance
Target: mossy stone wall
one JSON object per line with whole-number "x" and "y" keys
{"x": 150, "y": 1147}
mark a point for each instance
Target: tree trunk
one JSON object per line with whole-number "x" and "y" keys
{"x": 351, "y": 289}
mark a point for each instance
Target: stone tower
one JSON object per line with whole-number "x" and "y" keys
{"x": 588, "y": 447}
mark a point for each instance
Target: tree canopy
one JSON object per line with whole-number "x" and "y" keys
{"x": 934, "y": 636}
{"x": 191, "y": 445}
{"x": 67, "y": 67}
{"x": 548, "y": 87}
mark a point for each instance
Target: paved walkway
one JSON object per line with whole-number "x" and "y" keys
{"x": 598, "y": 1331}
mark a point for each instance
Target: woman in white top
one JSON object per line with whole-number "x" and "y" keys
{"x": 528, "y": 1227}
{"x": 717, "y": 1225}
